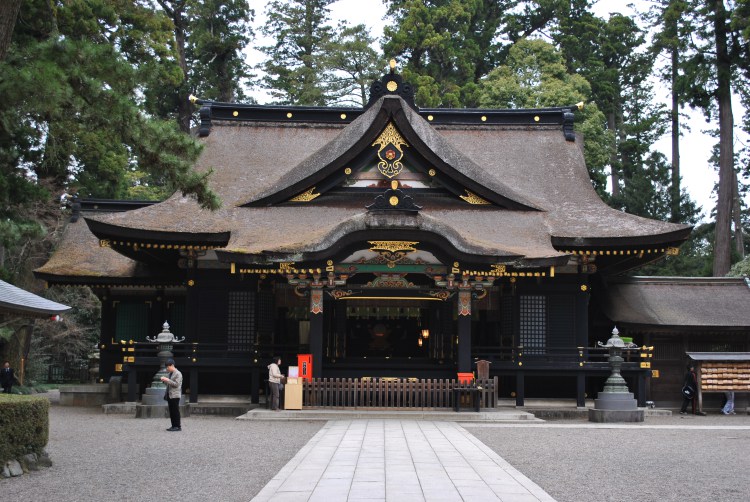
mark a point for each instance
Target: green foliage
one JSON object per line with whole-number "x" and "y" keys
{"x": 741, "y": 268}
{"x": 310, "y": 62}
{"x": 209, "y": 38}
{"x": 694, "y": 260}
{"x": 6, "y": 333}
{"x": 352, "y": 65}
{"x": 24, "y": 421}
{"x": 71, "y": 112}
{"x": 445, "y": 46}
{"x": 296, "y": 62}
{"x": 16, "y": 227}
{"x": 219, "y": 30}
{"x": 535, "y": 76}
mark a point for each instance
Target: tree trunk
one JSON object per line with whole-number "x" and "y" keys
{"x": 8, "y": 13}
{"x": 722, "y": 246}
{"x": 226, "y": 85}
{"x": 615, "y": 175}
{"x": 675, "y": 211}
{"x": 176, "y": 13}
{"x": 739, "y": 238}
{"x": 184, "y": 107}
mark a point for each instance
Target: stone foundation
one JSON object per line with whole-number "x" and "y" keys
{"x": 27, "y": 463}
{"x": 159, "y": 411}
{"x": 609, "y": 416}
{"x": 86, "y": 395}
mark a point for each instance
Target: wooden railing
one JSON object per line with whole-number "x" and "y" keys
{"x": 392, "y": 393}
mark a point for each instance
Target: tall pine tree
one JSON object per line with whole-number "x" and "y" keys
{"x": 296, "y": 62}
{"x": 445, "y": 46}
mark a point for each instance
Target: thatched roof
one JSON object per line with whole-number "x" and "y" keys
{"x": 689, "y": 302}
{"x": 79, "y": 255}
{"x": 543, "y": 200}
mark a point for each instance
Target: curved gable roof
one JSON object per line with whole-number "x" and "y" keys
{"x": 529, "y": 163}
{"x": 360, "y": 134}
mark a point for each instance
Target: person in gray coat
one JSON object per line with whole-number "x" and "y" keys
{"x": 172, "y": 395}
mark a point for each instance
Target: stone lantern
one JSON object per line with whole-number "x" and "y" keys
{"x": 615, "y": 403}
{"x": 154, "y": 395}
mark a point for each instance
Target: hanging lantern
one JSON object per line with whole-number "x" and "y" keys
{"x": 419, "y": 342}
{"x": 425, "y": 334}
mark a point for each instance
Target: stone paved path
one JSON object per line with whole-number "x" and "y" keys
{"x": 397, "y": 460}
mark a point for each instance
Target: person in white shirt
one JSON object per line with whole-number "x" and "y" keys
{"x": 274, "y": 381}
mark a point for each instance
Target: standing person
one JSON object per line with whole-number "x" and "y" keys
{"x": 689, "y": 389}
{"x": 172, "y": 394}
{"x": 728, "y": 408}
{"x": 6, "y": 378}
{"x": 274, "y": 381}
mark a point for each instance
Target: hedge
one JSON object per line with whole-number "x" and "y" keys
{"x": 24, "y": 426}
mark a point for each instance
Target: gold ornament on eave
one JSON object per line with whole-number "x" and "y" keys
{"x": 473, "y": 198}
{"x": 305, "y": 196}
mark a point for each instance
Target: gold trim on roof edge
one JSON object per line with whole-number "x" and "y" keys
{"x": 393, "y": 246}
{"x": 473, "y": 198}
{"x": 305, "y": 196}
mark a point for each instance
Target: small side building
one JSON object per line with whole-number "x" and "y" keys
{"x": 680, "y": 315}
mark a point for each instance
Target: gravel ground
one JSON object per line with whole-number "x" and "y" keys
{"x": 99, "y": 457}
{"x": 677, "y": 461}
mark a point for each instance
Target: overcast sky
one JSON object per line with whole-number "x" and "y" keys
{"x": 695, "y": 147}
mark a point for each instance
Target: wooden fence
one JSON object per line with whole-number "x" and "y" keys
{"x": 392, "y": 393}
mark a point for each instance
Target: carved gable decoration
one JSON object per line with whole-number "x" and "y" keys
{"x": 390, "y": 153}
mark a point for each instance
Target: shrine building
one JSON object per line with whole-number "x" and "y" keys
{"x": 386, "y": 241}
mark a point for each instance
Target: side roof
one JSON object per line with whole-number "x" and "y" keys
{"x": 14, "y": 300}
{"x": 81, "y": 259}
{"x": 686, "y": 302}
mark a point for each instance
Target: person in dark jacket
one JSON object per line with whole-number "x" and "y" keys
{"x": 6, "y": 378}
{"x": 173, "y": 394}
{"x": 689, "y": 390}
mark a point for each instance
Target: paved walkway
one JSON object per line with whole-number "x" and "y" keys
{"x": 396, "y": 460}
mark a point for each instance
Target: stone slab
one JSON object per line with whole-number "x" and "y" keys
{"x": 505, "y": 416}
{"x": 119, "y": 409}
{"x": 609, "y": 416}
{"x": 13, "y": 468}
{"x": 437, "y": 461}
{"x": 220, "y": 409}
{"x": 148, "y": 411}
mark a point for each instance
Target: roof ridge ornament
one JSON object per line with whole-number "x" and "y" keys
{"x": 569, "y": 119}
{"x": 394, "y": 199}
{"x": 391, "y": 84}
